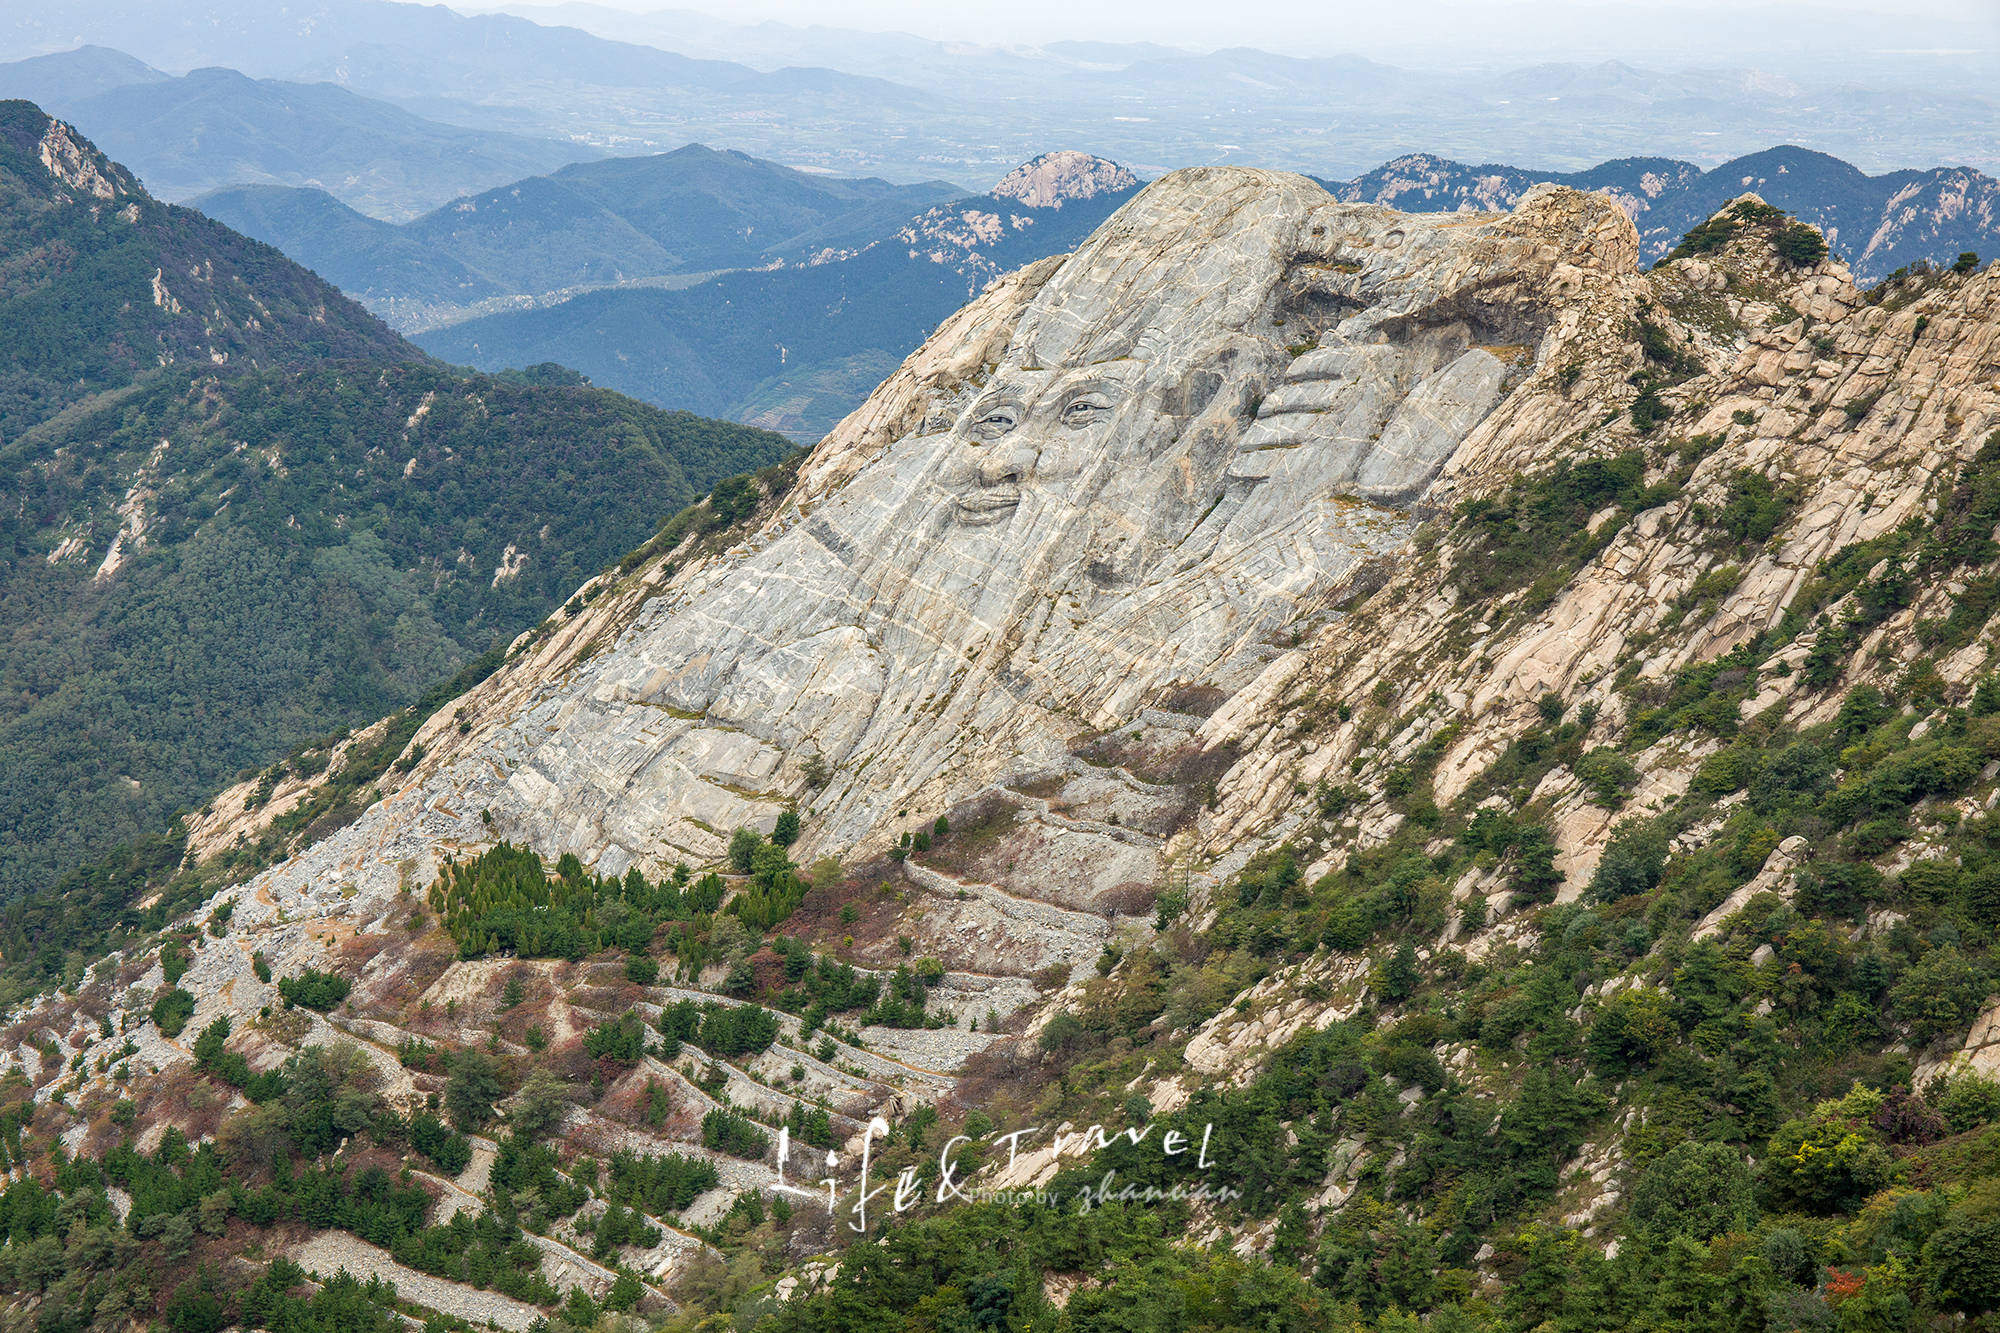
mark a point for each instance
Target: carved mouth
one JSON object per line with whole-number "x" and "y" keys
{"x": 988, "y": 506}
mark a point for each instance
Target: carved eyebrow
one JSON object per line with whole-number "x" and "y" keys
{"x": 993, "y": 403}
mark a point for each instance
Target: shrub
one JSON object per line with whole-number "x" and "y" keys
{"x": 1609, "y": 775}
{"x": 743, "y": 845}
{"x": 620, "y": 1040}
{"x": 1801, "y": 244}
{"x": 1649, "y": 409}
{"x": 741, "y": 1030}
{"x": 1062, "y": 1032}
{"x": 1939, "y": 995}
{"x": 658, "y": 1185}
{"x": 541, "y": 1106}
{"x": 172, "y": 1011}
{"x": 1695, "y": 1189}
{"x": 1965, "y": 1101}
{"x": 1753, "y": 507}
{"x": 471, "y": 1091}
{"x": 196, "y": 1306}
{"x": 314, "y": 989}
{"x": 1830, "y": 1160}
{"x": 641, "y": 970}
{"x": 1397, "y": 978}
{"x": 213, "y": 1057}
{"x": 733, "y": 1133}
{"x": 448, "y": 1149}
{"x": 1631, "y": 1030}
{"x": 1535, "y": 877}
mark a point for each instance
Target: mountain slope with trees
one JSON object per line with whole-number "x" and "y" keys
{"x": 243, "y": 514}
{"x": 1576, "y": 911}
{"x": 100, "y": 283}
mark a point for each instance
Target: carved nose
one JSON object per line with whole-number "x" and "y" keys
{"x": 1003, "y": 465}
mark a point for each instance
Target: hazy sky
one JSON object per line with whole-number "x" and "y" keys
{"x": 1453, "y": 29}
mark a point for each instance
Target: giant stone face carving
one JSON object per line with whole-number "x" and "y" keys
{"x": 1141, "y": 467}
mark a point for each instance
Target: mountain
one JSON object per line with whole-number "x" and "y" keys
{"x": 105, "y": 283}
{"x": 243, "y": 514}
{"x": 913, "y": 109}
{"x": 400, "y": 275}
{"x": 68, "y": 77}
{"x": 688, "y": 211}
{"x": 1878, "y": 223}
{"x": 1297, "y": 767}
{"x": 495, "y": 72}
{"x": 948, "y": 67}
{"x": 691, "y": 211}
{"x": 795, "y": 348}
{"x": 216, "y": 127}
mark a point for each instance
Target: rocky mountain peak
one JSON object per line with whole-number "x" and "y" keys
{"x": 75, "y": 168}
{"x": 1048, "y": 180}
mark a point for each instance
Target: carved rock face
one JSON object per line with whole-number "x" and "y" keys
{"x": 1132, "y": 469}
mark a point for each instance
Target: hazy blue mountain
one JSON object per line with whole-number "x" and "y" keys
{"x": 493, "y": 72}
{"x": 216, "y": 127}
{"x": 363, "y": 256}
{"x": 911, "y": 109}
{"x": 793, "y": 348}
{"x": 691, "y": 211}
{"x": 55, "y": 82}
{"x": 1877, "y": 223}
{"x": 951, "y": 67}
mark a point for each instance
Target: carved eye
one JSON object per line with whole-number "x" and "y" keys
{"x": 1079, "y": 412}
{"x": 996, "y": 421}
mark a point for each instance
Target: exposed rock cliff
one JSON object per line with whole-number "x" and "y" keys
{"x": 1141, "y": 468}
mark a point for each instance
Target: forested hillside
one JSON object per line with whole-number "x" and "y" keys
{"x": 243, "y": 513}
{"x": 222, "y": 564}
{"x": 100, "y": 283}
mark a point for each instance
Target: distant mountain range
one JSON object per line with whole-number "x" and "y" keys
{"x": 1876, "y": 223}
{"x": 795, "y": 348}
{"x": 622, "y": 220}
{"x": 217, "y": 127}
{"x": 608, "y": 266}
{"x": 909, "y": 109}
{"x": 242, "y": 513}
